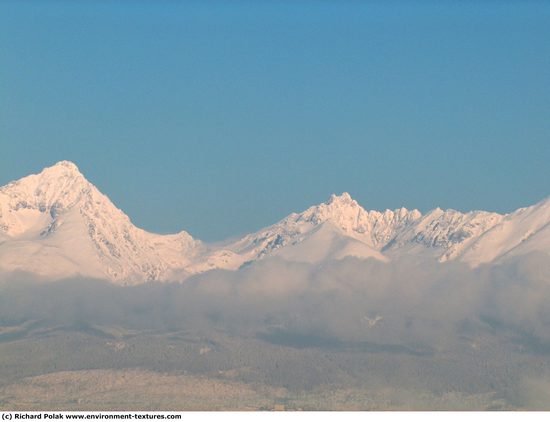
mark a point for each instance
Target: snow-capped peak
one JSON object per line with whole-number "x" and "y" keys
{"x": 343, "y": 199}
{"x": 60, "y": 172}
{"x": 59, "y": 209}
{"x": 373, "y": 227}
{"x": 69, "y": 165}
{"x": 338, "y": 208}
{"x": 60, "y": 185}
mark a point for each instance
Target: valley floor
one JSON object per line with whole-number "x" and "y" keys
{"x": 112, "y": 390}
{"x": 109, "y": 368}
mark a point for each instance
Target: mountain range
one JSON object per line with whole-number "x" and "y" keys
{"x": 57, "y": 224}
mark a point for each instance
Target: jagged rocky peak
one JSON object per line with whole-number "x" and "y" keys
{"x": 373, "y": 227}
{"x": 337, "y": 207}
{"x": 343, "y": 199}
{"x": 344, "y": 207}
{"x": 345, "y": 204}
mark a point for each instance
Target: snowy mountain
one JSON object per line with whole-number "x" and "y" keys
{"x": 322, "y": 227}
{"x": 519, "y": 233}
{"x": 443, "y": 235}
{"x": 57, "y": 224}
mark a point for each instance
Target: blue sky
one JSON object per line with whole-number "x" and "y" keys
{"x": 220, "y": 117}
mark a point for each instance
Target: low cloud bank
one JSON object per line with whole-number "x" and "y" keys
{"x": 423, "y": 305}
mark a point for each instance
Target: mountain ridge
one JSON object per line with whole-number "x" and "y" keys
{"x": 56, "y": 223}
